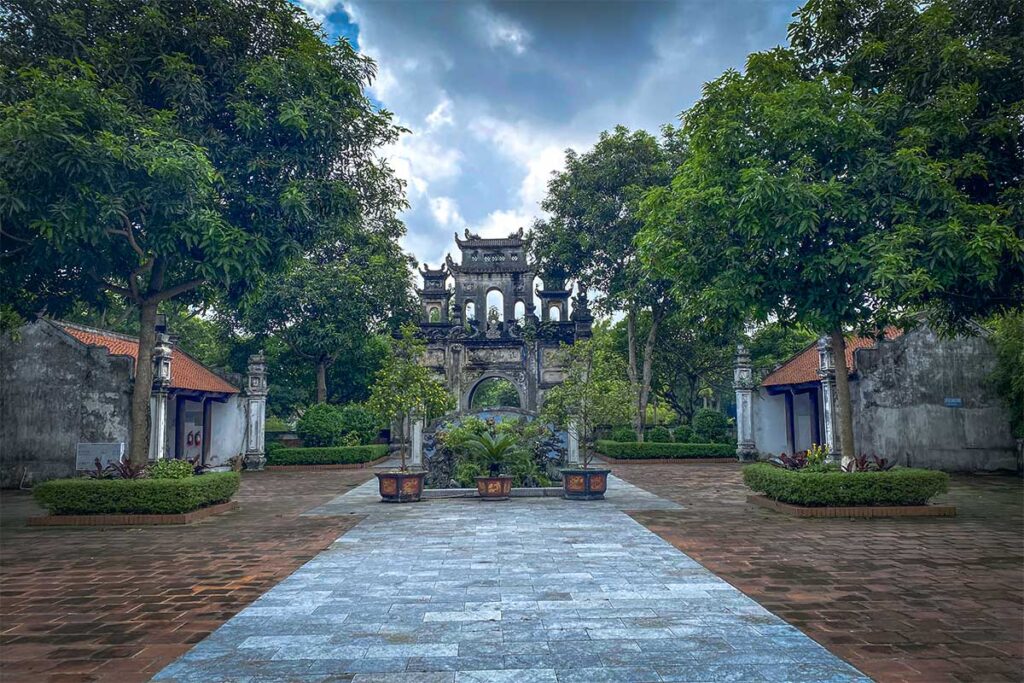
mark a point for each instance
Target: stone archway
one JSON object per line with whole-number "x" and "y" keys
{"x": 466, "y": 401}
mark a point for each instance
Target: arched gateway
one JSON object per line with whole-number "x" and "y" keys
{"x": 468, "y": 351}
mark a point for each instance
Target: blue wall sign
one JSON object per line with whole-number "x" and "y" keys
{"x": 954, "y": 402}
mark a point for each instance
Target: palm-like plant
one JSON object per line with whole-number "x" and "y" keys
{"x": 492, "y": 450}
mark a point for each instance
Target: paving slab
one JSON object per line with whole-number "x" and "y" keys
{"x": 531, "y": 589}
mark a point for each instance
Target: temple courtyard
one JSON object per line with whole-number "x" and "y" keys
{"x": 672, "y": 578}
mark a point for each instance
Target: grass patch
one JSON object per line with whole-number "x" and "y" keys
{"x": 638, "y": 451}
{"x": 326, "y": 455}
{"x": 135, "y": 496}
{"x": 899, "y": 486}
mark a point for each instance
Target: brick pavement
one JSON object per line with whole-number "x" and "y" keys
{"x": 902, "y": 600}
{"x": 118, "y": 604}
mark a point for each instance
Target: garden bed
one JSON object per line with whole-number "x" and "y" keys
{"x": 357, "y": 456}
{"x": 132, "y": 519}
{"x": 77, "y": 497}
{"x": 634, "y": 451}
{"x": 854, "y": 510}
{"x": 662, "y": 461}
{"x": 836, "y": 489}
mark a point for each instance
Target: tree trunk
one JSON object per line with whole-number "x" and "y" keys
{"x": 321, "y": 381}
{"x": 645, "y": 384}
{"x": 634, "y": 380}
{"x": 846, "y": 442}
{"x": 142, "y": 389}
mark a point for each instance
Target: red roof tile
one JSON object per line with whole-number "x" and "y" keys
{"x": 186, "y": 371}
{"x": 803, "y": 367}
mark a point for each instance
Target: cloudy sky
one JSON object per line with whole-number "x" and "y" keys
{"x": 494, "y": 92}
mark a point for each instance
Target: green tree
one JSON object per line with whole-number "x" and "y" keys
{"x": 590, "y": 237}
{"x": 178, "y": 148}
{"x": 405, "y": 389}
{"x": 1009, "y": 371}
{"x": 595, "y": 392}
{"x": 773, "y": 344}
{"x": 325, "y": 307}
{"x": 795, "y": 205}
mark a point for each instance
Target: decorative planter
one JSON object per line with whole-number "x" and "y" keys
{"x": 494, "y": 488}
{"x": 585, "y": 483}
{"x": 400, "y": 487}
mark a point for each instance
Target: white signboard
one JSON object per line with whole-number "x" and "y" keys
{"x": 87, "y": 453}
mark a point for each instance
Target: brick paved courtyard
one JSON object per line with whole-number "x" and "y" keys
{"x": 903, "y": 600}
{"x": 118, "y": 604}
{"x": 920, "y": 600}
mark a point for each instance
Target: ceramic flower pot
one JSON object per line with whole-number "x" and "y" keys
{"x": 584, "y": 483}
{"x": 498, "y": 487}
{"x": 400, "y": 487}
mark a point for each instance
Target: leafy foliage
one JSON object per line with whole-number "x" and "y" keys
{"x": 336, "y": 455}
{"x": 683, "y": 434}
{"x": 623, "y": 434}
{"x": 404, "y": 388}
{"x": 131, "y": 496}
{"x": 659, "y": 435}
{"x": 361, "y": 422}
{"x": 865, "y": 463}
{"x": 169, "y": 468}
{"x": 634, "y": 450}
{"x": 493, "y": 393}
{"x": 1008, "y": 375}
{"x": 127, "y": 469}
{"x": 900, "y": 486}
{"x": 594, "y": 392}
{"x": 321, "y": 425}
{"x": 710, "y": 426}
{"x": 527, "y": 452}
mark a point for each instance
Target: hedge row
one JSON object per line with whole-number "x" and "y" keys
{"x": 633, "y": 450}
{"x": 135, "y": 496}
{"x": 327, "y": 455}
{"x": 900, "y": 486}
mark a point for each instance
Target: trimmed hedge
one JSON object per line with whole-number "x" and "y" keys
{"x": 333, "y": 455}
{"x": 639, "y": 451}
{"x": 135, "y": 496}
{"x": 899, "y": 486}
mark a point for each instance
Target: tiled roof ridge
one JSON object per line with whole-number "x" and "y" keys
{"x": 854, "y": 343}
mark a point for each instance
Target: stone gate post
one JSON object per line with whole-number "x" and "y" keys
{"x": 743, "y": 382}
{"x": 572, "y": 456}
{"x": 158, "y": 398}
{"x": 416, "y": 443}
{"x": 829, "y": 412}
{"x": 256, "y": 412}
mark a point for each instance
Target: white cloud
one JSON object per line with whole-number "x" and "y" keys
{"x": 441, "y": 115}
{"x": 320, "y": 9}
{"x": 421, "y": 160}
{"x": 501, "y": 32}
{"x": 446, "y": 212}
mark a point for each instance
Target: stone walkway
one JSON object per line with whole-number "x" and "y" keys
{"x": 528, "y": 590}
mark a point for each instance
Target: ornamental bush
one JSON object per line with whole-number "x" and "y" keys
{"x": 710, "y": 426}
{"x": 633, "y": 451}
{"x": 899, "y": 486}
{"x": 358, "y": 420}
{"x": 321, "y": 425}
{"x": 623, "y": 434}
{"x": 659, "y": 435}
{"x": 334, "y": 455}
{"x": 169, "y": 468}
{"x": 135, "y": 496}
{"x": 683, "y": 434}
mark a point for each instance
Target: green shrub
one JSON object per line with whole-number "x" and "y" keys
{"x": 633, "y": 451}
{"x": 659, "y": 435}
{"x": 321, "y": 425}
{"x": 899, "y": 486}
{"x": 683, "y": 434}
{"x": 276, "y": 425}
{"x": 171, "y": 469}
{"x": 135, "y": 496}
{"x": 710, "y": 426}
{"x": 359, "y": 420}
{"x": 623, "y": 434}
{"x": 334, "y": 455}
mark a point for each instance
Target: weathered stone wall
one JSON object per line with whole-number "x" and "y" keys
{"x": 54, "y": 393}
{"x": 900, "y": 404}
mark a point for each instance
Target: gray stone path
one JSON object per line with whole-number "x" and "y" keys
{"x": 529, "y": 590}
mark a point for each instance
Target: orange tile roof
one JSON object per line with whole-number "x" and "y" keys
{"x": 803, "y": 367}
{"x": 186, "y": 371}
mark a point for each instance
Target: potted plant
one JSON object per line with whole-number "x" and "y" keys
{"x": 594, "y": 392}
{"x": 402, "y": 390}
{"x": 492, "y": 450}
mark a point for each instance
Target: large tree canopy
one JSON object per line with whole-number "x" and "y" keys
{"x": 591, "y": 232}
{"x": 807, "y": 197}
{"x": 177, "y": 147}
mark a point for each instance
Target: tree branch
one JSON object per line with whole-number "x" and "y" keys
{"x": 176, "y": 290}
